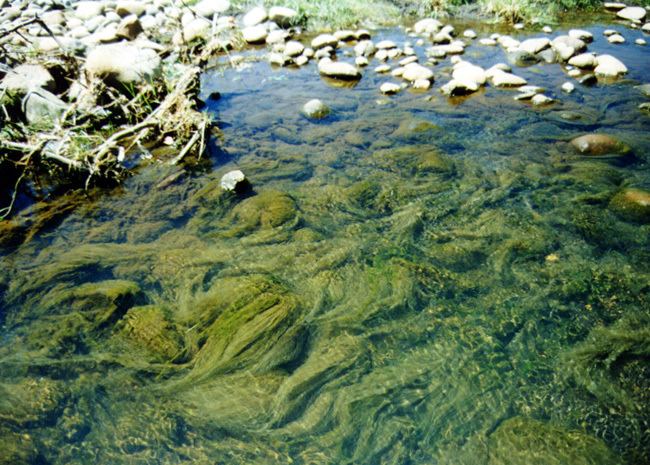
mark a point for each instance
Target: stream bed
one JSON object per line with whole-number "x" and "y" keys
{"x": 411, "y": 280}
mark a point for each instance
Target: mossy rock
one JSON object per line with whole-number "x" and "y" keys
{"x": 416, "y": 160}
{"x": 632, "y": 204}
{"x": 524, "y": 441}
{"x": 364, "y": 194}
{"x": 264, "y": 211}
{"x": 148, "y": 328}
{"x": 600, "y": 145}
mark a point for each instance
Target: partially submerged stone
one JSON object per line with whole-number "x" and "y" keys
{"x": 232, "y": 180}
{"x": 457, "y": 87}
{"x": 324, "y": 40}
{"x": 632, "y": 204}
{"x": 599, "y": 145}
{"x": 535, "y": 45}
{"x": 609, "y": 66}
{"x": 315, "y": 109}
{"x": 427, "y": 26}
{"x": 389, "y": 88}
{"x": 338, "y": 69}
{"x": 503, "y": 79}
{"x": 584, "y": 60}
{"x": 415, "y": 71}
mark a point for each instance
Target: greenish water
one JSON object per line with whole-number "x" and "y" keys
{"x": 411, "y": 281}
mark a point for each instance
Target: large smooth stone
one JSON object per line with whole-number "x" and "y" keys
{"x": 584, "y": 60}
{"x": 467, "y": 72}
{"x": 255, "y": 16}
{"x": 123, "y": 62}
{"x": 632, "y": 204}
{"x": 503, "y": 79}
{"x": 632, "y": 13}
{"x": 254, "y": 34}
{"x": 535, "y": 45}
{"x": 599, "y": 145}
{"x": 415, "y": 72}
{"x": 338, "y": 69}
{"x": 324, "y": 40}
{"x": 609, "y": 66}
{"x": 427, "y": 26}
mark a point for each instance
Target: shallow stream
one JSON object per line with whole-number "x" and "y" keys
{"x": 412, "y": 280}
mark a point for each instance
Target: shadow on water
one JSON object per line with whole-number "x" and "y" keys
{"x": 411, "y": 280}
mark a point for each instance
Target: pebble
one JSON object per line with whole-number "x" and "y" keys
{"x": 547, "y": 29}
{"x": 470, "y": 34}
{"x": 382, "y": 69}
{"x": 541, "y": 99}
{"x": 640, "y": 42}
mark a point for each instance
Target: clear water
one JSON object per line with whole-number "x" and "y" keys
{"x": 412, "y": 280}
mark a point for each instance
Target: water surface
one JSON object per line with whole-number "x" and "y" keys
{"x": 413, "y": 280}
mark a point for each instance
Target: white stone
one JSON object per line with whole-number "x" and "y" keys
{"x": 198, "y": 28}
{"x": 130, "y": 7}
{"x": 632, "y": 13}
{"x": 231, "y": 180}
{"x": 459, "y": 87}
{"x": 609, "y": 66}
{"x": 88, "y": 9}
{"x": 361, "y": 61}
{"x": 123, "y": 62}
{"x": 293, "y": 48}
{"x": 541, "y": 99}
{"x": 535, "y": 45}
{"x": 488, "y": 42}
{"x": 640, "y": 42}
{"x": 324, "y": 40}
{"x": 574, "y": 73}
{"x": 615, "y": 6}
{"x": 275, "y": 37}
{"x": 254, "y": 34}
{"x": 547, "y": 29}
{"x": 502, "y": 79}
{"x": 421, "y": 84}
{"x": 254, "y": 17}
{"x": 302, "y": 60}
{"x": 386, "y": 45}
{"x": 470, "y": 34}
{"x": 467, "y": 72}
{"x": 209, "y": 8}
{"x": 646, "y": 28}
{"x": 581, "y": 34}
{"x": 609, "y": 32}
{"x": 27, "y": 76}
{"x": 584, "y": 60}
{"x": 568, "y": 87}
{"x": 408, "y": 60}
{"x": 382, "y": 69}
{"x": 397, "y": 72}
{"x": 345, "y": 35}
{"x": 315, "y": 109}
{"x": 389, "y": 88}
{"x": 338, "y": 69}
{"x": 364, "y": 48}
{"x": 616, "y": 39}
{"x": 415, "y": 71}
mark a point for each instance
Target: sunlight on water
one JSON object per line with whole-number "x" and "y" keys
{"x": 411, "y": 281}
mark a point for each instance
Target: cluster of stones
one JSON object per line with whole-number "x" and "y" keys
{"x": 119, "y": 40}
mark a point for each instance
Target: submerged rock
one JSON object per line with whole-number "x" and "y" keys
{"x": 148, "y": 328}
{"x": 632, "y": 204}
{"x": 599, "y": 145}
{"x": 315, "y": 109}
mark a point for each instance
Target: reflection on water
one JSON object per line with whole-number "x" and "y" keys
{"x": 413, "y": 281}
